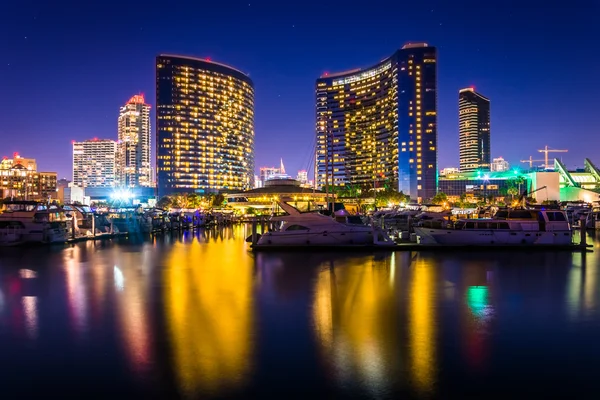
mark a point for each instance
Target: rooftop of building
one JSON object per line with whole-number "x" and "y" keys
{"x": 205, "y": 60}
{"x": 471, "y": 89}
{"x": 483, "y": 175}
{"x": 414, "y": 45}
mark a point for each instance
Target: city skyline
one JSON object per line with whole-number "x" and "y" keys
{"x": 518, "y": 75}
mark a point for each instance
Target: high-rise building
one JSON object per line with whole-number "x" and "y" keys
{"x": 19, "y": 179}
{"x": 94, "y": 163}
{"x": 499, "y": 165}
{"x": 205, "y": 126}
{"x": 474, "y": 130}
{"x": 378, "y": 126}
{"x": 133, "y": 147}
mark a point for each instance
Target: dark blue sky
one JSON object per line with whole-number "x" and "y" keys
{"x": 67, "y": 66}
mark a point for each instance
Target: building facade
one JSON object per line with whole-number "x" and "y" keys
{"x": 205, "y": 126}
{"x": 268, "y": 172}
{"x": 134, "y": 144}
{"x": 378, "y": 126}
{"x": 20, "y": 180}
{"x": 499, "y": 165}
{"x": 474, "y": 131}
{"x": 94, "y": 163}
{"x": 480, "y": 184}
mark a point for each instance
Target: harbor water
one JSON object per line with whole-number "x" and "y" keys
{"x": 197, "y": 315}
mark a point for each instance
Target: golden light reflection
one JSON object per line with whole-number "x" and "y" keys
{"x": 355, "y": 313}
{"x": 422, "y": 326}
{"x": 208, "y": 303}
{"x": 581, "y": 286}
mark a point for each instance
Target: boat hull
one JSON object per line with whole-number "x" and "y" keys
{"x": 491, "y": 237}
{"x": 340, "y": 238}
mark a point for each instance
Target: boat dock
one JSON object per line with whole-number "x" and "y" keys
{"x": 423, "y": 247}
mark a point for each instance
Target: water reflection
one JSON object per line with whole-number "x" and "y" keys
{"x": 422, "y": 328}
{"x": 209, "y": 313}
{"x": 132, "y": 283}
{"x": 196, "y": 315}
{"x": 582, "y": 286}
{"x": 355, "y": 316}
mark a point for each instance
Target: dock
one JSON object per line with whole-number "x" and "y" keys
{"x": 421, "y": 247}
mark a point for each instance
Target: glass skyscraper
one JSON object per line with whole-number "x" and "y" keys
{"x": 205, "y": 126}
{"x": 377, "y": 126}
{"x": 474, "y": 131}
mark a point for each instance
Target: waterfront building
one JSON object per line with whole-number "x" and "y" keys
{"x": 134, "y": 144}
{"x": 278, "y": 188}
{"x": 474, "y": 130}
{"x": 499, "y": 165}
{"x": 94, "y": 163}
{"x": 378, "y": 125}
{"x": 482, "y": 184}
{"x": 205, "y": 126}
{"x": 20, "y": 180}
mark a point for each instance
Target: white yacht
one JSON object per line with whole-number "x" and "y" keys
{"x": 549, "y": 227}
{"x": 42, "y": 223}
{"x": 313, "y": 229}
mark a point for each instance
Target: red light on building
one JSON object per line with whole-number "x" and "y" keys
{"x": 137, "y": 99}
{"x": 5, "y": 158}
{"x": 326, "y": 74}
{"x": 72, "y": 142}
{"x": 15, "y": 155}
{"x": 208, "y": 59}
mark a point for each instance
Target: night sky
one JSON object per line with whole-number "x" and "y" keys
{"x": 67, "y": 66}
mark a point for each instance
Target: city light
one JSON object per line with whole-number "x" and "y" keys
{"x": 121, "y": 194}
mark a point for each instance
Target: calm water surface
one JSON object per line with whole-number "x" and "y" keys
{"x": 184, "y": 316}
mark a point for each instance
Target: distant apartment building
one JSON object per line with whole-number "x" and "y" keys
{"x": 302, "y": 176}
{"x": 133, "y": 167}
{"x": 20, "y": 180}
{"x": 94, "y": 163}
{"x": 267, "y": 172}
{"x": 474, "y": 130}
{"x": 449, "y": 171}
{"x": 499, "y": 165}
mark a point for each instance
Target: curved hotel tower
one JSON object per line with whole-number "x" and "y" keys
{"x": 205, "y": 126}
{"x": 378, "y": 126}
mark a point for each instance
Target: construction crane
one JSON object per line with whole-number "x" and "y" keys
{"x": 546, "y": 150}
{"x": 531, "y": 161}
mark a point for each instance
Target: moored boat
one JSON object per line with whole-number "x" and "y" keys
{"x": 545, "y": 227}
{"x": 313, "y": 229}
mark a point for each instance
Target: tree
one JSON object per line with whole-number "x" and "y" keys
{"x": 164, "y": 202}
{"x": 250, "y": 211}
{"x": 218, "y": 200}
{"x": 440, "y": 198}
